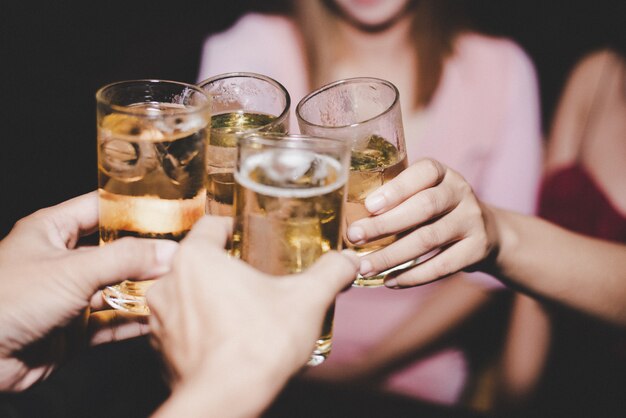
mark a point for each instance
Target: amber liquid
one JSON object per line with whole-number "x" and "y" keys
{"x": 151, "y": 185}
{"x": 282, "y": 226}
{"x": 226, "y": 128}
{"x": 370, "y": 167}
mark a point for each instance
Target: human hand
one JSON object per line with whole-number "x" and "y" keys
{"x": 216, "y": 319}
{"x": 47, "y": 284}
{"x": 436, "y": 210}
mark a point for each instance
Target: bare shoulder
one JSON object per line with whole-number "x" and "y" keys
{"x": 592, "y": 65}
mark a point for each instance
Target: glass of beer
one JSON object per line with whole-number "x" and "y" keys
{"x": 242, "y": 103}
{"x": 152, "y": 137}
{"x": 365, "y": 113}
{"x": 289, "y": 199}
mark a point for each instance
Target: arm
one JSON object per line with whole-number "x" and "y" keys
{"x": 525, "y": 350}
{"x": 526, "y": 252}
{"x": 584, "y": 273}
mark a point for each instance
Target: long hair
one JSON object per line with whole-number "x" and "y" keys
{"x": 435, "y": 26}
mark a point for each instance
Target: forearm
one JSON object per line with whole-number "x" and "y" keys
{"x": 585, "y": 273}
{"x": 228, "y": 386}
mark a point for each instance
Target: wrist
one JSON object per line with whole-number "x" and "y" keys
{"x": 229, "y": 383}
{"x": 506, "y": 242}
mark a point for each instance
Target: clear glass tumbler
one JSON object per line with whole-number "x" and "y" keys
{"x": 152, "y": 138}
{"x": 365, "y": 113}
{"x": 289, "y": 201}
{"x": 243, "y": 103}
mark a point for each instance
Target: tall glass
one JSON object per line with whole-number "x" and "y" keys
{"x": 243, "y": 103}
{"x": 151, "y": 167}
{"x": 365, "y": 113}
{"x": 289, "y": 200}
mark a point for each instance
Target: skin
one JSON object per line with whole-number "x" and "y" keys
{"x": 215, "y": 343}
{"x": 372, "y": 15}
{"x": 525, "y": 252}
{"x": 48, "y": 285}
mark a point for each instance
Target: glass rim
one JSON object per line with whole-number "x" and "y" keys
{"x": 187, "y": 110}
{"x": 353, "y": 80}
{"x": 248, "y": 74}
{"x": 287, "y": 141}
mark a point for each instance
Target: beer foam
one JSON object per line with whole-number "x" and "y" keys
{"x": 299, "y": 161}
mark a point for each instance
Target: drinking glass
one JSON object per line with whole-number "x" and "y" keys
{"x": 242, "y": 103}
{"x": 289, "y": 199}
{"x": 365, "y": 113}
{"x": 151, "y": 167}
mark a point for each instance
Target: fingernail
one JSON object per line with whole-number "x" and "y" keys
{"x": 375, "y": 202}
{"x": 165, "y": 250}
{"x": 356, "y": 234}
{"x": 366, "y": 268}
{"x": 391, "y": 283}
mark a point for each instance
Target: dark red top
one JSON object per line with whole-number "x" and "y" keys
{"x": 571, "y": 198}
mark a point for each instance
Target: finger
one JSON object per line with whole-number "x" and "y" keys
{"x": 333, "y": 272}
{"x": 417, "y": 209}
{"x": 73, "y": 218}
{"x": 413, "y": 245}
{"x": 159, "y": 298}
{"x": 450, "y": 261}
{"x": 417, "y": 177}
{"x": 212, "y": 230}
{"x": 125, "y": 258}
{"x": 113, "y": 325}
{"x": 97, "y": 302}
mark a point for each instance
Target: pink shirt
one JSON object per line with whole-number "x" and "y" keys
{"x": 483, "y": 122}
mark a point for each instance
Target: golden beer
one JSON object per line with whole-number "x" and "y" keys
{"x": 365, "y": 113}
{"x": 222, "y": 151}
{"x": 288, "y": 212}
{"x": 151, "y": 183}
{"x": 371, "y": 165}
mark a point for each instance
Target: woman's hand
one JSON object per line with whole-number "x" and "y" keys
{"x": 434, "y": 209}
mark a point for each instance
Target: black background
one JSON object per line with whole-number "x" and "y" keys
{"x": 56, "y": 54}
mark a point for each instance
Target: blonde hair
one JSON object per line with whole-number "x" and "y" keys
{"x": 434, "y": 29}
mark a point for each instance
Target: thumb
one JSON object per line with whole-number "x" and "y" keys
{"x": 125, "y": 258}
{"x": 212, "y": 230}
{"x": 333, "y": 272}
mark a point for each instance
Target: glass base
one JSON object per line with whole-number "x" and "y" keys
{"x": 379, "y": 279}
{"x": 128, "y": 296}
{"x": 321, "y": 352}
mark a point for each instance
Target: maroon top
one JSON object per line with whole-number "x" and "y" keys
{"x": 572, "y": 199}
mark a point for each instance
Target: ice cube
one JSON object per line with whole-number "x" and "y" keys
{"x": 362, "y": 183}
{"x": 176, "y": 156}
{"x": 127, "y": 161}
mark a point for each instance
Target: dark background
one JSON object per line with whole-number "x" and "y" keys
{"x": 56, "y": 54}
